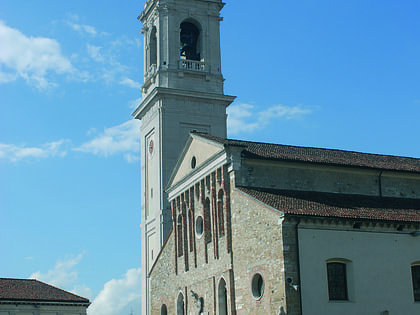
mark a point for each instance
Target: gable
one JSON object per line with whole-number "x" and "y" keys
{"x": 194, "y": 156}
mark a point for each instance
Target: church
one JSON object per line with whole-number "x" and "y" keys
{"x": 240, "y": 227}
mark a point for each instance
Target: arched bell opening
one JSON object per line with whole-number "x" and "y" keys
{"x": 190, "y": 41}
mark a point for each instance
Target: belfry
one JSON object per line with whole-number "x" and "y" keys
{"x": 182, "y": 92}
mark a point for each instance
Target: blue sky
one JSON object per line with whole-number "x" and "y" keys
{"x": 334, "y": 74}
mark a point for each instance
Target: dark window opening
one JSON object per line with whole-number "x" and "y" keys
{"x": 415, "y": 275}
{"x": 153, "y": 47}
{"x": 189, "y": 38}
{"x": 337, "y": 281}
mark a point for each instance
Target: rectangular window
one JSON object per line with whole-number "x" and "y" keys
{"x": 337, "y": 281}
{"x": 415, "y": 275}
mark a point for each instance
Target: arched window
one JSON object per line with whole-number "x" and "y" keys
{"x": 415, "y": 277}
{"x": 180, "y": 238}
{"x": 207, "y": 220}
{"x": 222, "y": 297}
{"x": 153, "y": 47}
{"x": 337, "y": 280}
{"x": 220, "y": 213}
{"x": 189, "y": 41}
{"x": 180, "y": 304}
{"x": 163, "y": 310}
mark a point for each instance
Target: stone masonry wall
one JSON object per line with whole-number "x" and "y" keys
{"x": 193, "y": 264}
{"x": 262, "y": 244}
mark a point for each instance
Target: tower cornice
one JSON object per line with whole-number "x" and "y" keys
{"x": 159, "y": 92}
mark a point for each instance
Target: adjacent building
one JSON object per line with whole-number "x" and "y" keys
{"x": 33, "y": 297}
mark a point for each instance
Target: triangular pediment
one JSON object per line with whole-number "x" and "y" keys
{"x": 197, "y": 153}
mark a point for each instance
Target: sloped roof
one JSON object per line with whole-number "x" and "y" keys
{"x": 269, "y": 151}
{"x": 331, "y": 205}
{"x": 30, "y": 290}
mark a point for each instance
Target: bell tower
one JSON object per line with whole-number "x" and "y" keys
{"x": 182, "y": 92}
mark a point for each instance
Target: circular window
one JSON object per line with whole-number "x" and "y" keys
{"x": 193, "y": 162}
{"x": 199, "y": 228}
{"x": 257, "y": 286}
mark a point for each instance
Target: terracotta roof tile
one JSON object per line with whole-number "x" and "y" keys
{"x": 318, "y": 204}
{"x": 34, "y": 290}
{"x": 271, "y": 151}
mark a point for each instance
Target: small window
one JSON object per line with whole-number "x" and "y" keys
{"x": 257, "y": 286}
{"x": 193, "y": 162}
{"x": 337, "y": 281}
{"x": 415, "y": 275}
{"x": 163, "y": 310}
{"x": 199, "y": 228}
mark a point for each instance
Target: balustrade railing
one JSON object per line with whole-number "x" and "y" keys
{"x": 192, "y": 65}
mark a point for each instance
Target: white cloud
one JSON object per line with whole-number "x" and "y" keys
{"x": 131, "y": 83}
{"x": 82, "y": 28}
{"x": 242, "y": 118}
{"x": 117, "y": 294}
{"x": 124, "y": 138}
{"x": 63, "y": 275}
{"x": 31, "y": 58}
{"x": 15, "y": 153}
{"x": 135, "y": 103}
{"x": 94, "y": 53}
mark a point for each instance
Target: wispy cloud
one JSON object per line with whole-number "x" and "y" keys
{"x": 131, "y": 83}
{"x": 243, "y": 118}
{"x": 117, "y": 294}
{"x": 123, "y": 138}
{"x": 95, "y": 53}
{"x": 63, "y": 275}
{"x": 15, "y": 153}
{"x": 31, "y": 58}
{"x": 135, "y": 103}
{"x": 82, "y": 29}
